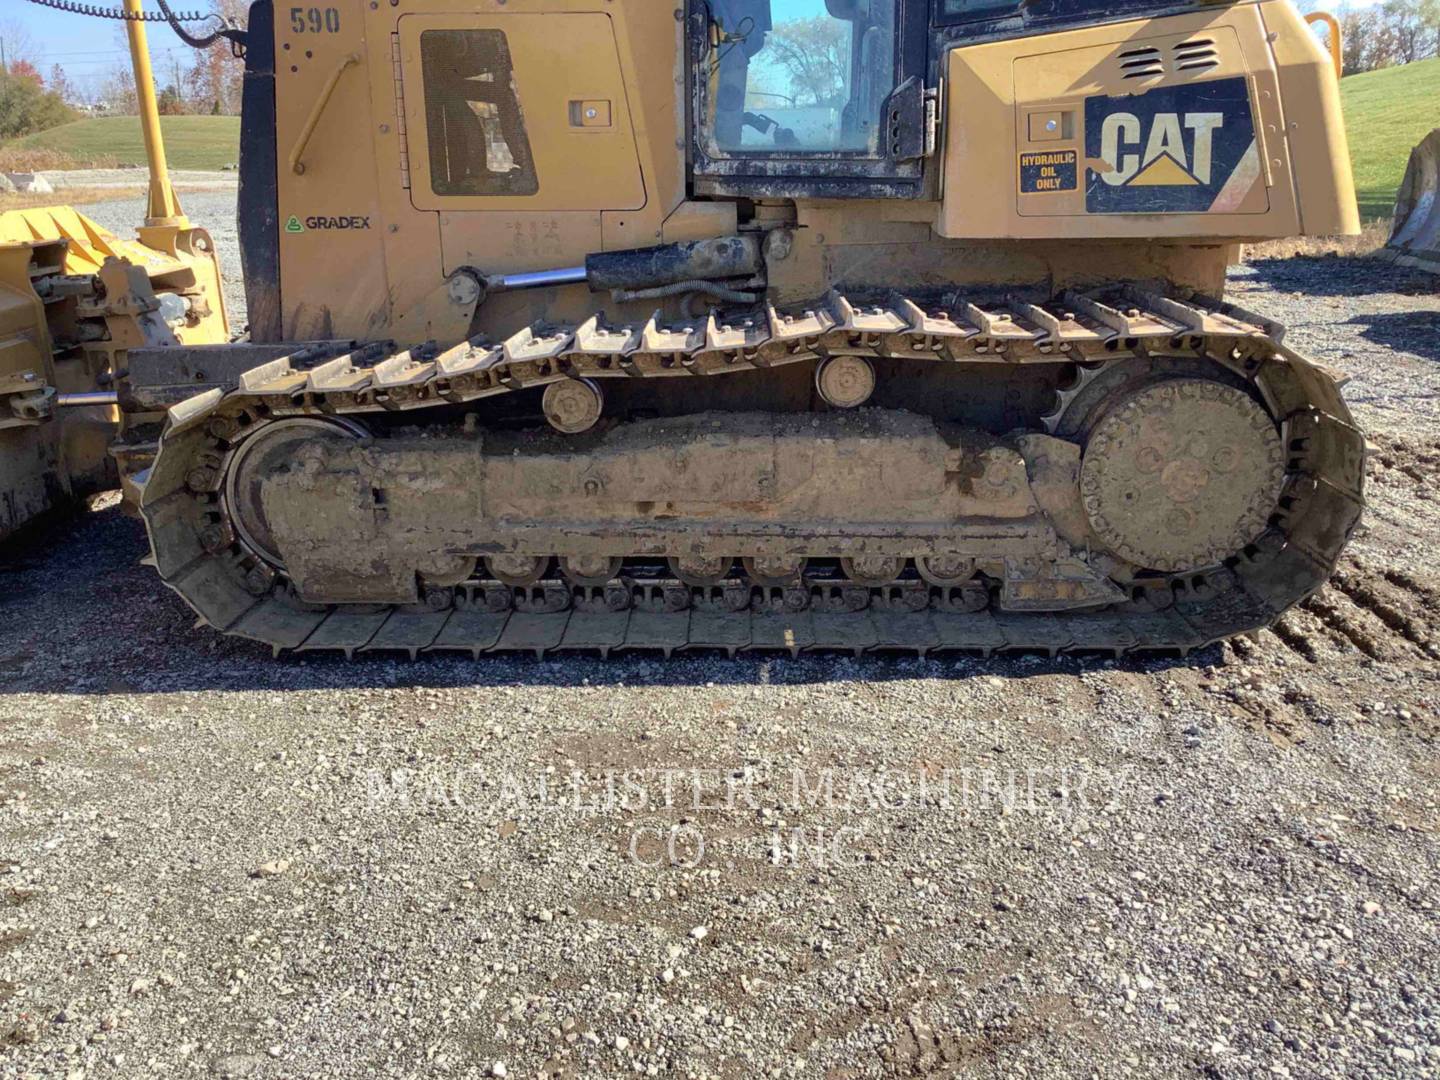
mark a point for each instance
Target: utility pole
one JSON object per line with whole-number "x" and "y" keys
{"x": 4, "y": 67}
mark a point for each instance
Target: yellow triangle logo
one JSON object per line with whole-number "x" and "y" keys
{"x": 1164, "y": 171}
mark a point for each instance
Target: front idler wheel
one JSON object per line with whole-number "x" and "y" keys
{"x": 268, "y": 450}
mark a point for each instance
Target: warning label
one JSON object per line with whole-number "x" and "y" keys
{"x": 1049, "y": 170}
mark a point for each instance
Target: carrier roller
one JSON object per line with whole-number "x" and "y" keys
{"x": 1187, "y": 479}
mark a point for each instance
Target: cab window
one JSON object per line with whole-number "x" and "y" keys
{"x": 799, "y": 76}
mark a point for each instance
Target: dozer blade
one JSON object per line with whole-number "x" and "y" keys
{"x": 1415, "y": 236}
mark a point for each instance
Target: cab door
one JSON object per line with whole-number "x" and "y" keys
{"x": 496, "y": 121}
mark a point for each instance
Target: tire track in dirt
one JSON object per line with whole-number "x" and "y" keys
{"x": 1395, "y": 607}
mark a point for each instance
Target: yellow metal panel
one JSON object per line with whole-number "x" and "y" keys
{"x": 1002, "y": 97}
{"x": 560, "y": 61}
{"x": 334, "y": 280}
{"x": 1314, "y": 130}
{"x": 517, "y": 241}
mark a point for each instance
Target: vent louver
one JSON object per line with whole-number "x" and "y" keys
{"x": 1141, "y": 63}
{"x": 1196, "y": 55}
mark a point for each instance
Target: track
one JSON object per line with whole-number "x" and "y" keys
{"x": 1321, "y": 500}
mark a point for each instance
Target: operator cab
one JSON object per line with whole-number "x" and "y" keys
{"x": 809, "y": 97}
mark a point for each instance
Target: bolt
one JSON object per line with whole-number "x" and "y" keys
{"x": 201, "y": 478}
{"x": 259, "y": 579}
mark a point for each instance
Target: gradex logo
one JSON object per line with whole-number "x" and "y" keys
{"x": 1163, "y": 159}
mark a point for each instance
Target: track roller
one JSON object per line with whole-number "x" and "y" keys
{"x": 946, "y": 569}
{"x": 573, "y": 406}
{"x": 845, "y": 381}
{"x": 517, "y": 570}
{"x": 701, "y": 569}
{"x": 590, "y": 569}
{"x": 775, "y": 570}
{"x": 872, "y": 570}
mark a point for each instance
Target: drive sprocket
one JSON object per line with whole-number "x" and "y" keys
{"x": 1181, "y": 474}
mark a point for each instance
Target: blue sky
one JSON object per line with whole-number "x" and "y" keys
{"x": 89, "y": 48}
{"x": 85, "y": 47}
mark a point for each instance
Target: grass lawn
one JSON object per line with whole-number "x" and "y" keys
{"x": 1386, "y": 113}
{"x": 191, "y": 142}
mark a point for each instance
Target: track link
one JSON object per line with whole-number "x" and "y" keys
{"x": 196, "y": 552}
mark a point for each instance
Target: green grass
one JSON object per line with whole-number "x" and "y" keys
{"x": 191, "y": 142}
{"x": 1386, "y": 113}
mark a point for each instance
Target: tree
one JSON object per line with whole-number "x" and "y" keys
{"x": 813, "y": 60}
{"x": 19, "y": 45}
{"x": 26, "y": 107}
{"x": 24, "y": 69}
{"x": 169, "y": 101}
{"x": 118, "y": 93}
{"x": 1405, "y": 22}
{"x": 60, "y": 85}
{"x": 215, "y": 81}
{"x": 1428, "y": 12}
{"x": 1366, "y": 42}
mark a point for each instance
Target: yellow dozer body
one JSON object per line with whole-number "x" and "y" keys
{"x": 861, "y": 324}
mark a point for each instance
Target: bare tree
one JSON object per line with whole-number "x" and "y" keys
{"x": 60, "y": 83}
{"x": 118, "y": 91}
{"x": 18, "y": 44}
{"x": 813, "y": 58}
{"x": 1404, "y": 21}
{"x": 215, "y": 80}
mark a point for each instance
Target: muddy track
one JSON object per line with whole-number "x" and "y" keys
{"x": 197, "y": 554}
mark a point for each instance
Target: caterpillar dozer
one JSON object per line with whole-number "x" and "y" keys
{"x": 784, "y": 324}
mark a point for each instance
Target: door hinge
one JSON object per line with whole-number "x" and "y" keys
{"x": 932, "y": 119}
{"x": 400, "y": 129}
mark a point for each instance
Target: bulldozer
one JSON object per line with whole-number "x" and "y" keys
{"x": 757, "y": 324}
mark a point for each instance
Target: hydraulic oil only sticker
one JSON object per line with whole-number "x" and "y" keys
{"x": 1173, "y": 150}
{"x": 1049, "y": 170}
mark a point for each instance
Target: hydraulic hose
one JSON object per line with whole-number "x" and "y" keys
{"x": 230, "y": 33}
{"x": 712, "y": 289}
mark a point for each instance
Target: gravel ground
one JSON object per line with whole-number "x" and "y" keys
{"x": 129, "y": 178}
{"x": 216, "y": 863}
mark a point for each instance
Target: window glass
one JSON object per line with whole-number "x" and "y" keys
{"x": 472, "y": 115}
{"x": 796, "y": 76}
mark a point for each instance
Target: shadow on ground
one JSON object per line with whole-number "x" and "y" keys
{"x": 1413, "y": 331}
